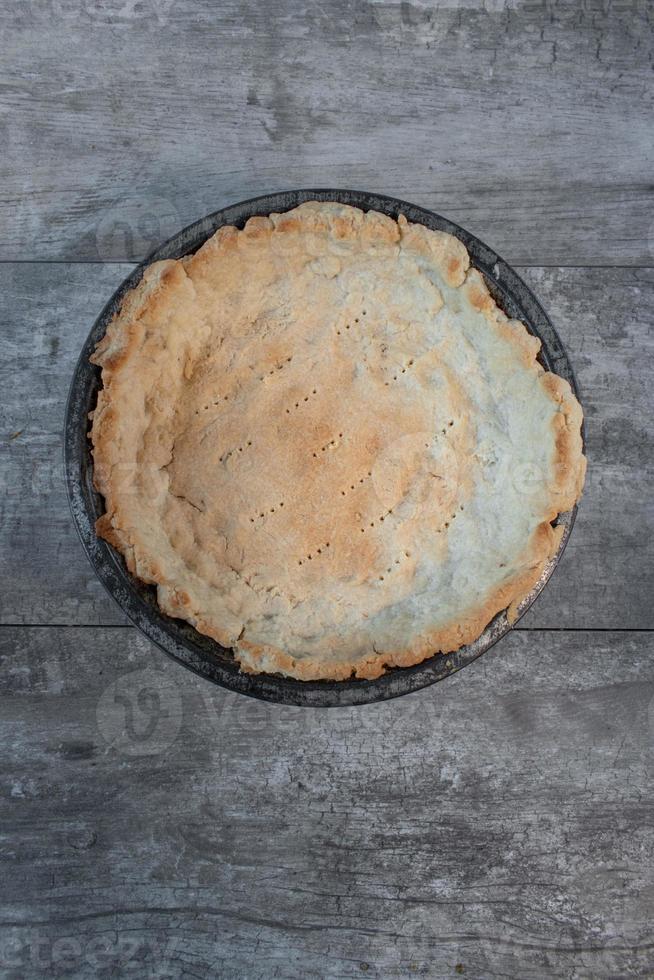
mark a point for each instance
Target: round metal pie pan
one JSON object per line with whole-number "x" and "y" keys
{"x": 138, "y": 601}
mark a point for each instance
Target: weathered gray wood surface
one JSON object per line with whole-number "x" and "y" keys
{"x": 529, "y": 121}
{"x": 606, "y": 319}
{"x": 497, "y": 825}
{"x": 501, "y": 821}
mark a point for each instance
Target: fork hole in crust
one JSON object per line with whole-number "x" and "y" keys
{"x": 315, "y": 554}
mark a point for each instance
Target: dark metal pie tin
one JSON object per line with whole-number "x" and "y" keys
{"x": 138, "y": 601}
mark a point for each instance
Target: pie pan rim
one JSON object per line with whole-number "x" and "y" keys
{"x": 179, "y": 639}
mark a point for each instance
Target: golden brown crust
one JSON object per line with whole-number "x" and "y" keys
{"x": 326, "y": 445}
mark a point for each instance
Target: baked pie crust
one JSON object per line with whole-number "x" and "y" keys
{"x": 327, "y": 447}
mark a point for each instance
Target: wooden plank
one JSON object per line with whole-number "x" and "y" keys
{"x": 46, "y": 310}
{"x": 608, "y": 332}
{"x": 154, "y": 825}
{"x": 527, "y": 122}
{"x": 606, "y": 577}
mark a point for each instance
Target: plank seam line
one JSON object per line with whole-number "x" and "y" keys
{"x": 135, "y": 262}
{"x": 516, "y": 629}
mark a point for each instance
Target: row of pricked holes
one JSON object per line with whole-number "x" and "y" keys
{"x": 278, "y": 367}
{"x": 407, "y": 554}
{"x": 305, "y": 399}
{"x": 348, "y": 325}
{"x": 262, "y": 377}
{"x": 389, "y": 512}
{"x": 381, "y": 518}
{"x": 271, "y": 510}
{"x": 362, "y": 479}
{"x": 447, "y": 523}
{"x": 332, "y": 442}
{"x": 353, "y": 486}
{"x": 402, "y": 371}
{"x": 318, "y": 552}
{"x": 225, "y": 398}
{"x": 230, "y": 452}
{"x": 443, "y": 431}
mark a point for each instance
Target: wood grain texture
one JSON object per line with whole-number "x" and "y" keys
{"x": 155, "y": 826}
{"x": 498, "y": 825}
{"x": 528, "y": 121}
{"x": 605, "y": 579}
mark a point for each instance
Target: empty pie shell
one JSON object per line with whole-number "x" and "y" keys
{"x": 326, "y": 445}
